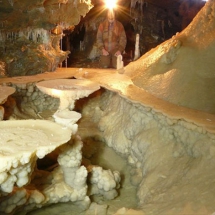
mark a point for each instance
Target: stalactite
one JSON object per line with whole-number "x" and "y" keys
{"x": 137, "y": 17}
{"x": 35, "y": 35}
{"x": 134, "y": 2}
{"x": 137, "y": 47}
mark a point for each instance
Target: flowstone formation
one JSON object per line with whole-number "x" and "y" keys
{"x": 27, "y": 147}
{"x": 22, "y": 143}
{"x": 24, "y": 186}
{"x": 170, "y": 157}
{"x": 30, "y": 34}
{"x": 181, "y": 70}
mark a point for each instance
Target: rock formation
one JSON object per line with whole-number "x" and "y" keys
{"x": 181, "y": 70}
{"x": 31, "y": 31}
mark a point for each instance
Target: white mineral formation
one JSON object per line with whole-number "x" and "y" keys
{"x": 67, "y": 118}
{"x": 22, "y": 142}
{"x": 48, "y": 187}
{"x": 68, "y": 90}
{"x": 69, "y": 179}
{"x": 104, "y": 182}
{"x": 70, "y": 161}
{"x": 120, "y": 63}
{"x": 166, "y": 154}
{"x": 137, "y": 47}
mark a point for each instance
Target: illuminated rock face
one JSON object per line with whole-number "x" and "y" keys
{"x": 181, "y": 70}
{"x": 27, "y": 45}
{"x": 171, "y": 158}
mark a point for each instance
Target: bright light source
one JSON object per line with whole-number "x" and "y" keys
{"x": 110, "y": 4}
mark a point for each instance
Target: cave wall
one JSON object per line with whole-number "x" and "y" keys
{"x": 170, "y": 158}
{"x": 30, "y": 34}
{"x": 181, "y": 69}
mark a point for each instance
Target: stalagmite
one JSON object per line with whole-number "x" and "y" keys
{"x": 137, "y": 47}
